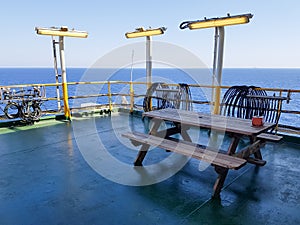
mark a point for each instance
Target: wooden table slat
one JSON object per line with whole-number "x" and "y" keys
{"x": 188, "y": 149}
{"x": 214, "y": 122}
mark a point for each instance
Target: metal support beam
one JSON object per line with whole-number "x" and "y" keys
{"x": 148, "y": 62}
{"x": 56, "y": 73}
{"x": 218, "y": 67}
{"x": 64, "y": 78}
{"x": 61, "y": 33}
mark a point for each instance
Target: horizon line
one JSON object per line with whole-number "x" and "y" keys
{"x": 78, "y": 67}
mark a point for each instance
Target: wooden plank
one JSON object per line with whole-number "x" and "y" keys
{"x": 249, "y": 150}
{"x": 214, "y": 122}
{"x": 188, "y": 149}
{"x": 258, "y": 162}
{"x": 269, "y": 137}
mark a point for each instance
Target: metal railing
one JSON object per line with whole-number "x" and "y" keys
{"x": 111, "y": 97}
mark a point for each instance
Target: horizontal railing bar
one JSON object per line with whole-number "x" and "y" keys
{"x": 284, "y": 94}
{"x": 134, "y": 82}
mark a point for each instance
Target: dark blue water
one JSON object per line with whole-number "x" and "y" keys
{"x": 269, "y": 78}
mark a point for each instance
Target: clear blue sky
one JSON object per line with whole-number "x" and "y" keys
{"x": 271, "y": 39}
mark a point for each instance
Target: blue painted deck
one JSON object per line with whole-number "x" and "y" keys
{"x": 44, "y": 179}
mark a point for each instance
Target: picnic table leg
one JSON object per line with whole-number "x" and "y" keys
{"x": 222, "y": 172}
{"x": 257, "y": 154}
{"x": 144, "y": 149}
{"x": 184, "y": 134}
{"x": 220, "y": 181}
{"x": 141, "y": 155}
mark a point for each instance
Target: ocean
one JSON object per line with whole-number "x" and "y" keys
{"x": 268, "y": 78}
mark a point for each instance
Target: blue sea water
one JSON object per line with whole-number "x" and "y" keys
{"x": 269, "y": 78}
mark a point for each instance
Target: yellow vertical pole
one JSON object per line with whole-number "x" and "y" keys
{"x": 64, "y": 79}
{"x": 131, "y": 97}
{"x": 109, "y": 95}
{"x": 217, "y": 99}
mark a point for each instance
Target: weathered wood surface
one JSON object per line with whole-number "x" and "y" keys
{"x": 188, "y": 149}
{"x": 214, "y": 122}
{"x": 269, "y": 137}
{"x": 249, "y": 150}
{"x": 183, "y": 120}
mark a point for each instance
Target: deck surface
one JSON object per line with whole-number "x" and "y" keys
{"x": 45, "y": 179}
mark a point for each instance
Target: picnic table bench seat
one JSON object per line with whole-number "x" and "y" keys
{"x": 188, "y": 149}
{"x": 269, "y": 137}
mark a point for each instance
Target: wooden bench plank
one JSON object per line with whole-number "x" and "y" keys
{"x": 258, "y": 162}
{"x": 249, "y": 150}
{"x": 269, "y": 137}
{"x": 188, "y": 149}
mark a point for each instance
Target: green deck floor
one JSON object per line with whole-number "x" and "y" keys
{"x": 44, "y": 179}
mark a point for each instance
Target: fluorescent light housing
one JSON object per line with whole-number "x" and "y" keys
{"x": 140, "y": 32}
{"x": 217, "y": 22}
{"x": 63, "y": 31}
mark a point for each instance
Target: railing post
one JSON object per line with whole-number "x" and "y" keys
{"x": 109, "y": 95}
{"x": 131, "y": 97}
{"x": 217, "y": 100}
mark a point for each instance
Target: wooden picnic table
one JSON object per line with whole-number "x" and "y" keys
{"x": 236, "y": 128}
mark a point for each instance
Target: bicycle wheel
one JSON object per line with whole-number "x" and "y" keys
{"x": 12, "y": 110}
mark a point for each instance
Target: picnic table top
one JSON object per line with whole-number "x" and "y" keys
{"x": 210, "y": 121}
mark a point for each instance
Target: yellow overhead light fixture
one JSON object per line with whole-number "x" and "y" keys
{"x": 217, "y": 22}
{"x": 140, "y": 32}
{"x": 63, "y": 31}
